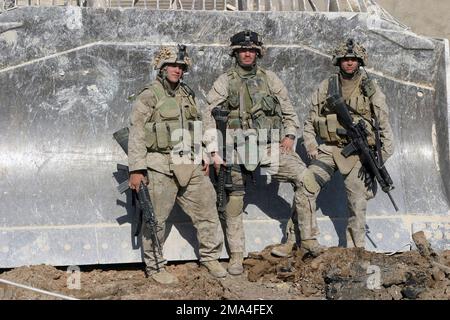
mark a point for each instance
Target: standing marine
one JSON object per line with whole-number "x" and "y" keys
{"x": 166, "y": 164}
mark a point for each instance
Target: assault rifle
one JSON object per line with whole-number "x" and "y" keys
{"x": 223, "y": 178}
{"x": 143, "y": 196}
{"x": 357, "y": 134}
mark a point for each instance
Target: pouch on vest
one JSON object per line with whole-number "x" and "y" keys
{"x": 150, "y": 135}
{"x": 233, "y": 120}
{"x": 162, "y": 135}
{"x": 233, "y": 102}
{"x": 266, "y": 114}
{"x": 169, "y": 109}
{"x": 169, "y": 113}
{"x": 332, "y": 124}
{"x": 323, "y": 129}
{"x": 270, "y": 105}
{"x": 261, "y": 121}
{"x": 190, "y": 112}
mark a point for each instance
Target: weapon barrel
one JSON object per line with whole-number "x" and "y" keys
{"x": 149, "y": 214}
{"x": 392, "y": 200}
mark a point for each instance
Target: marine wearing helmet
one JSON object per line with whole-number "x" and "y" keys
{"x": 161, "y": 153}
{"x": 170, "y": 55}
{"x": 246, "y": 40}
{"x": 350, "y": 49}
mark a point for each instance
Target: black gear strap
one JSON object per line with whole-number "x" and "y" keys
{"x": 188, "y": 89}
{"x": 319, "y": 180}
{"x": 334, "y": 87}
{"x": 322, "y": 165}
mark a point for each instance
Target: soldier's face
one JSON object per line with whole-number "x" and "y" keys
{"x": 247, "y": 57}
{"x": 174, "y": 72}
{"x": 349, "y": 65}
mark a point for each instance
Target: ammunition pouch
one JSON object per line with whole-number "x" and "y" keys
{"x": 328, "y": 128}
{"x": 267, "y": 115}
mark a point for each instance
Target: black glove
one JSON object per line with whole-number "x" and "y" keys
{"x": 368, "y": 178}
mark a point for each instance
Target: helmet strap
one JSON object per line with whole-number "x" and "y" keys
{"x": 170, "y": 86}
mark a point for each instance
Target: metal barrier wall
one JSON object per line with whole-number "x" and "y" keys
{"x": 66, "y": 73}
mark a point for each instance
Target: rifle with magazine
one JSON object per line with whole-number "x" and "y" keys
{"x": 357, "y": 134}
{"x": 143, "y": 196}
{"x": 224, "y": 182}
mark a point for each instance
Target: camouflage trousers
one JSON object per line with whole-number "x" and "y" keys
{"x": 198, "y": 200}
{"x": 290, "y": 169}
{"x": 358, "y": 193}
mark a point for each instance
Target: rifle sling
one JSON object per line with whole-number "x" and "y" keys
{"x": 335, "y": 89}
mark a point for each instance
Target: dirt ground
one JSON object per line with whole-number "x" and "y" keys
{"x": 338, "y": 273}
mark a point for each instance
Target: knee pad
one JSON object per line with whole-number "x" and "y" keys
{"x": 309, "y": 182}
{"x": 235, "y": 206}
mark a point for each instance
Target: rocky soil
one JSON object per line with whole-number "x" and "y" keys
{"x": 338, "y": 273}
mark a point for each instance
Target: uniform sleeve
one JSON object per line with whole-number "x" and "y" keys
{"x": 309, "y": 133}
{"x": 217, "y": 95}
{"x": 290, "y": 120}
{"x": 382, "y": 111}
{"x": 141, "y": 114}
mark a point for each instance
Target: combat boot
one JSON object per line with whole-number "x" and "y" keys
{"x": 283, "y": 250}
{"x": 235, "y": 266}
{"x": 215, "y": 268}
{"x": 164, "y": 277}
{"x": 313, "y": 247}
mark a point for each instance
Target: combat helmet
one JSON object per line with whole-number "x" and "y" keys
{"x": 246, "y": 39}
{"x": 350, "y": 48}
{"x": 167, "y": 55}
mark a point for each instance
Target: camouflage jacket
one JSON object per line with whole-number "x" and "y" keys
{"x": 357, "y": 99}
{"x": 219, "y": 94}
{"x": 142, "y": 150}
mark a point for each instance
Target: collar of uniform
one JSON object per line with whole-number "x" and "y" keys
{"x": 356, "y": 77}
{"x": 349, "y": 86}
{"x": 344, "y": 76}
{"x": 246, "y": 73}
{"x": 166, "y": 85}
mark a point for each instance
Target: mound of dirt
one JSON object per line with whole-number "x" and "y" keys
{"x": 130, "y": 283}
{"x": 341, "y": 273}
{"x": 338, "y": 273}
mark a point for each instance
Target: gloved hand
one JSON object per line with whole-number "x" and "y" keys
{"x": 312, "y": 154}
{"x": 368, "y": 178}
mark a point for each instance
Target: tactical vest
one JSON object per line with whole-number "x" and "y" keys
{"x": 360, "y": 107}
{"x": 170, "y": 113}
{"x": 251, "y": 103}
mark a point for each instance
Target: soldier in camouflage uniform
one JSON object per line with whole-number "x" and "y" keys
{"x": 256, "y": 99}
{"x": 324, "y": 143}
{"x": 166, "y": 165}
